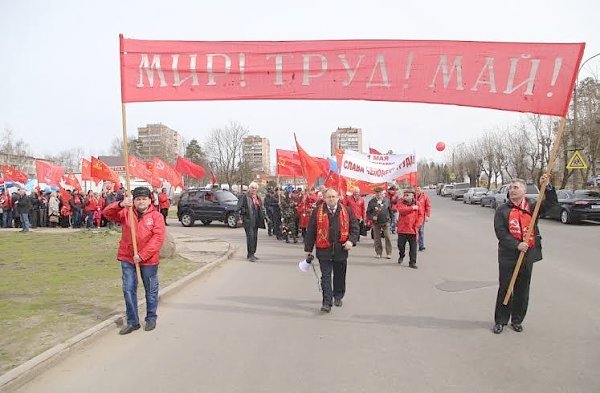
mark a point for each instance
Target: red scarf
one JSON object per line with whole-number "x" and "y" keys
{"x": 323, "y": 226}
{"x": 519, "y": 221}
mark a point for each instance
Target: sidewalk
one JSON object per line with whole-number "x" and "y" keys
{"x": 207, "y": 251}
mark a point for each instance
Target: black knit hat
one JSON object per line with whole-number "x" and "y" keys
{"x": 141, "y": 192}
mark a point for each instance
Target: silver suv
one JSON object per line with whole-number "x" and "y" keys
{"x": 502, "y": 195}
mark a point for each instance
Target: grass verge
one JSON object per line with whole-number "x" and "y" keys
{"x": 54, "y": 286}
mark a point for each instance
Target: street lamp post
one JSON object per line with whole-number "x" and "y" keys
{"x": 575, "y": 125}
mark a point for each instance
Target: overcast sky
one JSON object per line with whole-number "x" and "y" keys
{"x": 59, "y": 66}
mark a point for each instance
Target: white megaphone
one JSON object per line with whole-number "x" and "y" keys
{"x": 304, "y": 265}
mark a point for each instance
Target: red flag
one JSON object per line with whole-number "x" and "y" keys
{"x": 48, "y": 173}
{"x": 71, "y": 180}
{"x": 288, "y": 163}
{"x": 310, "y": 166}
{"x": 139, "y": 168}
{"x": 186, "y": 167}
{"x": 213, "y": 178}
{"x": 86, "y": 171}
{"x": 373, "y": 151}
{"x": 101, "y": 171}
{"x": 338, "y": 182}
{"x": 165, "y": 171}
{"x": 14, "y": 174}
{"x": 64, "y": 195}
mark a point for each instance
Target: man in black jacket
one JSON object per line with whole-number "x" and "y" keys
{"x": 334, "y": 230}
{"x": 251, "y": 211}
{"x": 380, "y": 211}
{"x": 511, "y": 223}
{"x": 22, "y": 206}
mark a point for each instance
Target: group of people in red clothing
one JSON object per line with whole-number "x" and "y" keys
{"x": 388, "y": 213}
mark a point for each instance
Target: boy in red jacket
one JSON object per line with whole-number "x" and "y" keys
{"x": 409, "y": 221}
{"x": 150, "y": 235}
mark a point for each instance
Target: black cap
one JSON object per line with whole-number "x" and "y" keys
{"x": 141, "y": 192}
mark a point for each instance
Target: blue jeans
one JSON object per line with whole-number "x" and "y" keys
{"x": 24, "y": 222}
{"x": 76, "y": 218}
{"x": 90, "y": 219}
{"x": 6, "y": 219}
{"x": 130, "y": 283}
{"x": 422, "y": 236}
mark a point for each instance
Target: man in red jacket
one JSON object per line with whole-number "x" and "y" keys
{"x": 150, "y": 234}
{"x": 425, "y": 206}
{"x": 356, "y": 203}
{"x": 164, "y": 204}
{"x": 409, "y": 221}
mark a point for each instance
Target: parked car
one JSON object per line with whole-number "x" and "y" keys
{"x": 574, "y": 206}
{"x": 207, "y": 206}
{"x": 489, "y": 198}
{"x": 459, "y": 190}
{"x": 502, "y": 195}
{"x": 438, "y": 188}
{"x": 474, "y": 195}
{"x": 446, "y": 190}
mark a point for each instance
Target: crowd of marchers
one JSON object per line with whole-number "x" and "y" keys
{"x": 288, "y": 211}
{"x": 66, "y": 209}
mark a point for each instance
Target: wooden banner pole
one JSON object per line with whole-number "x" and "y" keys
{"x": 536, "y": 211}
{"x": 126, "y": 163}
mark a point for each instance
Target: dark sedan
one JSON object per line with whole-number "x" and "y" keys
{"x": 575, "y": 206}
{"x": 489, "y": 199}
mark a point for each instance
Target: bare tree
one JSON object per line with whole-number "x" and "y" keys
{"x": 70, "y": 160}
{"x": 16, "y": 150}
{"x": 224, "y": 150}
{"x": 133, "y": 147}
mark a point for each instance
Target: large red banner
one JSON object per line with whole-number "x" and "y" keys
{"x": 523, "y": 77}
{"x": 288, "y": 163}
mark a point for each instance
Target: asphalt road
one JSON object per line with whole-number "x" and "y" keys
{"x": 255, "y": 327}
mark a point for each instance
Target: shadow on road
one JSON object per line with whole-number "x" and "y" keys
{"x": 293, "y": 308}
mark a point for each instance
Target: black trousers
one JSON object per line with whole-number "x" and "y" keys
{"x": 338, "y": 268}
{"x": 412, "y": 246}
{"x": 251, "y": 239}
{"x": 517, "y": 305}
{"x": 165, "y": 212}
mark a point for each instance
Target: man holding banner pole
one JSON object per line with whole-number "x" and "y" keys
{"x": 511, "y": 223}
{"x": 150, "y": 234}
{"x": 380, "y": 212}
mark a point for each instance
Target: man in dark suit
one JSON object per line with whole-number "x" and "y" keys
{"x": 334, "y": 230}
{"x": 250, "y": 208}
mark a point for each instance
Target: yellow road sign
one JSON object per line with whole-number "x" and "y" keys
{"x": 577, "y": 161}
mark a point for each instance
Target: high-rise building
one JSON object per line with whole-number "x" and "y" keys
{"x": 256, "y": 152}
{"x": 346, "y": 138}
{"x": 158, "y": 140}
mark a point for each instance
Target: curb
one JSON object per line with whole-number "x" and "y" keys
{"x": 45, "y": 357}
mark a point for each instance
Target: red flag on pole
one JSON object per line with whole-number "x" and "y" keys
{"x": 213, "y": 178}
{"x": 86, "y": 171}
{"x": 72, "y": 181}
{"x": 14, "y": 174}
{"x": 310, "y": 166}
{"x": 139, "y": 168}
{"x": 186, "y": 167}
{"x": 373, "y": 151}
{"x": 48, "y": 173}
{"x": 101, "y": 171}
{"x": 165, "y": 171}
{"x": 288, "y": 163}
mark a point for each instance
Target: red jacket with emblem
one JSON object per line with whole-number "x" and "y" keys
{"x": 150, "y": 233}
{"x": 357, "y": 206}
{"x": 409, "y": 220}
{"x": 163, "y": 201}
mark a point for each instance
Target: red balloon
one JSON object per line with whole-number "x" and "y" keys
{"x": 440, "y": 146}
